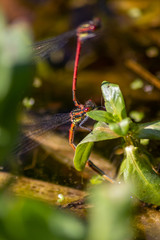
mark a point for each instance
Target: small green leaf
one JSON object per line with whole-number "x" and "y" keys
{"x": 101, "y": 116}
{"x": 96, "y": 179}
{"x": 81, "y": 155}
{"x": 121, "y": 128}
{"x": 137, "y": 170}
{"x": 114, "y": 101}
{"x": 136, "y": 116}
{"x": 149, "y": 130}
{"x": 144, "y": 141}
{"x": 136, "y": 84}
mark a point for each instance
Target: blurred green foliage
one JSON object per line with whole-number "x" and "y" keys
{"x": 110, "y": 216}
{"x": 136, "y": 116}
{"x": 23, "y": 219}
{"x": 16, "y": 70}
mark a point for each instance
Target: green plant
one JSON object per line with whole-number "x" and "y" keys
{"x": 136, "y": 167}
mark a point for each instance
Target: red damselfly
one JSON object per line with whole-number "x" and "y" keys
{"x": 85, "y": 31}
{"x": 77, "y": 117}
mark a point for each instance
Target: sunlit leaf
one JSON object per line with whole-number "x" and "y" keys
{"x": 100, "y": 132}
{"x": 101, "y": 116}
{"x": 114, "y": 101}
{"x": 137, "y": 170}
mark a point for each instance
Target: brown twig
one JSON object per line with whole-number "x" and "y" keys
{"x": 142, "y": 72}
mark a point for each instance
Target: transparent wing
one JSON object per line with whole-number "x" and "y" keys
{"x": 40, "y": 127}
{"x": 42, "y": 49}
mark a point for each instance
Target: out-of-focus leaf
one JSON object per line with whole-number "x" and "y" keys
{"x": 136, "y": 116}
{"x": 96, "y": 179}
{"x": 149, "y": 130}
{"x": 137, "y": 170}
{"x": 114, "y": 101}
{"x": 144, "y": 141}
{"x": 136, "y": 84}
{"x": 16, "y": 70}
{"x": 110, "y": 214}
{"x": 101, "y": 116}
{"x": 23, "y": 219}
{"x": 121, "y": 128}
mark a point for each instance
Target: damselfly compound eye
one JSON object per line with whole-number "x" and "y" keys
{"x": 86, "y": 109}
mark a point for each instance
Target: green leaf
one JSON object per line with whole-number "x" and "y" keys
{"x": 101, "y": 116}
{"x": 83, "y": 150}
{"x": 137, "y": 170}
{"x": 137, "y": 116}
{"x": 136, "y": 84}
{"x": 114, "y": 101}
{"x": 149, "y": 130}
{"x": 144, "y": 141}
{"x": 100, "y": 132}
{"x": 96, "y": 179}
{"x": 81, "y": 155}
{"x": 121, "y": 128}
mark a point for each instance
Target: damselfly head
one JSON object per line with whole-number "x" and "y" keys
{"x": 89, "y": 105}
{"x": 96, "y": 22}
{"x": 87, "y": 30}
